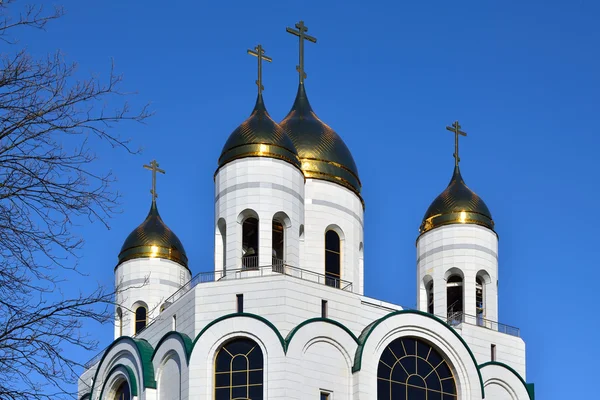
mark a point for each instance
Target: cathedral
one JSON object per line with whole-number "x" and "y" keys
{"x": 282, "y": 314}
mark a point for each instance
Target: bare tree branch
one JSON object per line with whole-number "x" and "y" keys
{"x": 49, "y": 122}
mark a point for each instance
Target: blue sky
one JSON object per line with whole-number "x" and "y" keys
{"x": 521, "y": 76}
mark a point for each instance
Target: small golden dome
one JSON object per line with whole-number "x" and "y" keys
{"x": 259, "y": 136}
{"x": 153, "y": 239}
{"x": 457, "y": 205}
{"x": 322, "y": 152}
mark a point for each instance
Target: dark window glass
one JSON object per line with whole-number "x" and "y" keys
{"x": 250, "y": 243}
{"x": 239, "y": 371}
{"x": 454, "y": 293}
{"x": 324, "y": 396}
{"x": 140, "y": 318}
{"x": 323, "y": 308}
{"x": 240, "y": 303}
{"x": 411, "y": 369}
{"x": 278, "y": 242}
{"x": 332, "y": 259}
{"x": 123, "y": 392}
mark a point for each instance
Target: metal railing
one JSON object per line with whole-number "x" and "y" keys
{"x": 250, "y": 262}
{"x": 457, "y": 318}
{"x": 278, "y": 267}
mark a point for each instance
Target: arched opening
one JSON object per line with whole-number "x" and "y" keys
{"x": 278, "y": 245}
{"x": 250, "y": 243}
{"x": 429, "y": 291}
{"x": 410, "y": 368}
{"x": 454, "y": 295}
{"x": 239, "y": 367}
{"x": 119, "y": 322}
{"x": 333, "y": 258}
{"x": 123, "y": 392}
{"x": 479, "y": 301}
{"x": 141, "y": 318}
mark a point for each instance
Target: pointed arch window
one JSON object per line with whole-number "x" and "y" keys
{"x": 141, "y": 318}
{"x": 479, "y": 300}
{"x": 239, "y": 371}
{"x": 120, "y": 321}
{"x": 123, "y": 392}
{"x": 250, "y": 243}
{"x": 333, "y": 258}
{"x": 429, "y": 290}
{"x": 454, "y": 292}
{"x": 410, "y": 369}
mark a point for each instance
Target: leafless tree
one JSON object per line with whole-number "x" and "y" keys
{"x": 49, "y": 122}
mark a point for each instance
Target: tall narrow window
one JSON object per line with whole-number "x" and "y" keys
{"x": 174, "y": 324}
{"x": 250, "y": 243}
{"x": 239, "y": 371}
{"x": 123, "y": 392}
{"x": 332, "y": 259}
{"x": 141, "y": 316}
{"x": 325, "y": 396}
{"x": 493, "y": 351}
{"x": 222, "y": 227}
{"x": 278, "y": 245}
{"x": 240, "y": 303}
{"x": 454, "y": 291}
{"x": 479, "y": 305}
{"x": 323, "y": 308}
{"x": 429, "y": 290}
{"x": 120, "y": 321}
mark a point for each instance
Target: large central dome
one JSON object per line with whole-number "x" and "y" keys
{"x": 322, "y": 152}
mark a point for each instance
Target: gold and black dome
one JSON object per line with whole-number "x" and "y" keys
{"x": 322, "y": 152}
{"x": 457, "y": 205}
{"x": 259, "y": 136}
{"x": 153, "y": 239}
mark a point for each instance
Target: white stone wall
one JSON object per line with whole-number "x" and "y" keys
{"x": 467, "y": 248}
{"x": 148, "y": 282}
{"x": 261, "y": 186}
{"x": 331, "y": 206}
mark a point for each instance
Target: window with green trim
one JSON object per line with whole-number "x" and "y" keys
{"x": 411, "y": 369}
{"x": 239, "y": 371}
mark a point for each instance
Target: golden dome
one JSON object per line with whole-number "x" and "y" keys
{"x": 322, "y": 152}
{"x": 153, "y": 239}
{"x": 259, "y": 136}
{"x": 457, "y": 205}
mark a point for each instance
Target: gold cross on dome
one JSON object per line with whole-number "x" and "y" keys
{"x": 456, "y": 129}
{"x": 301, "y": 33}
{"x": 259, "y": 53}
{"x": 154, "y": 168}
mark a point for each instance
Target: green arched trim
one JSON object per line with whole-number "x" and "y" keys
{"x": 364, "y": 336}
{"x": 86, "y": 396}
{"x": 528, "y": 386}
{"x": 144, "y": 350}
{"x": 248, "y": 315}
{"x": 187, "y": 344}
{"x": 290, "y": 335}
{"x": 134, "y": 385}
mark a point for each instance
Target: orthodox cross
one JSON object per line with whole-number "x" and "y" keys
{"x": 301, "y": 33}
{"x": 259, "y": 53}
{"x": 154, "y": 168}
{"x": 456, "y": 129}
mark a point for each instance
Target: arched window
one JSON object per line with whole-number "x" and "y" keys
{"x": 429, "y": 289}
{"x": 120, "y": 321}
{"x": 250, "y": 243}
{"x": 411, "y": 369}
{"x": 239, "y": 371}
{"x": 221, "y": 245}
{"x": 454, "y": 292}
{"x": 479, "y": 302}
{"x": 332, "y": 259}
{"x": 141, "y": 318}
{"x": 123, "y": 392}
{"x": 278, "y": 245}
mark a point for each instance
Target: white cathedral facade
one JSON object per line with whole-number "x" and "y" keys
{"x": 282, "y": 315}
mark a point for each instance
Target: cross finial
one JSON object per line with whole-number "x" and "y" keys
{"x": 456, "y": 129}
{"x": 154, "y": 168}
{"x": 259, "y": 53}
{"x": 301, "y": 33}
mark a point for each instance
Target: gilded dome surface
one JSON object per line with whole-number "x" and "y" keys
{"x": 153, "y": 239}
{"x": 322, "y": 152}
{"x": 259, "y": 136}
{"x": 457, "y": 205}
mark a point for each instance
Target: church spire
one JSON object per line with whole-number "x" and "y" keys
{"x": 301, "y": 33}
{"x": 456, "y": 129}
{"x": 259, "y": 53}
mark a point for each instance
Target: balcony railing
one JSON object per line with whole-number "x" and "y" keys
{"x": 458, "y": 318}
{"x": 278, "y": 267}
